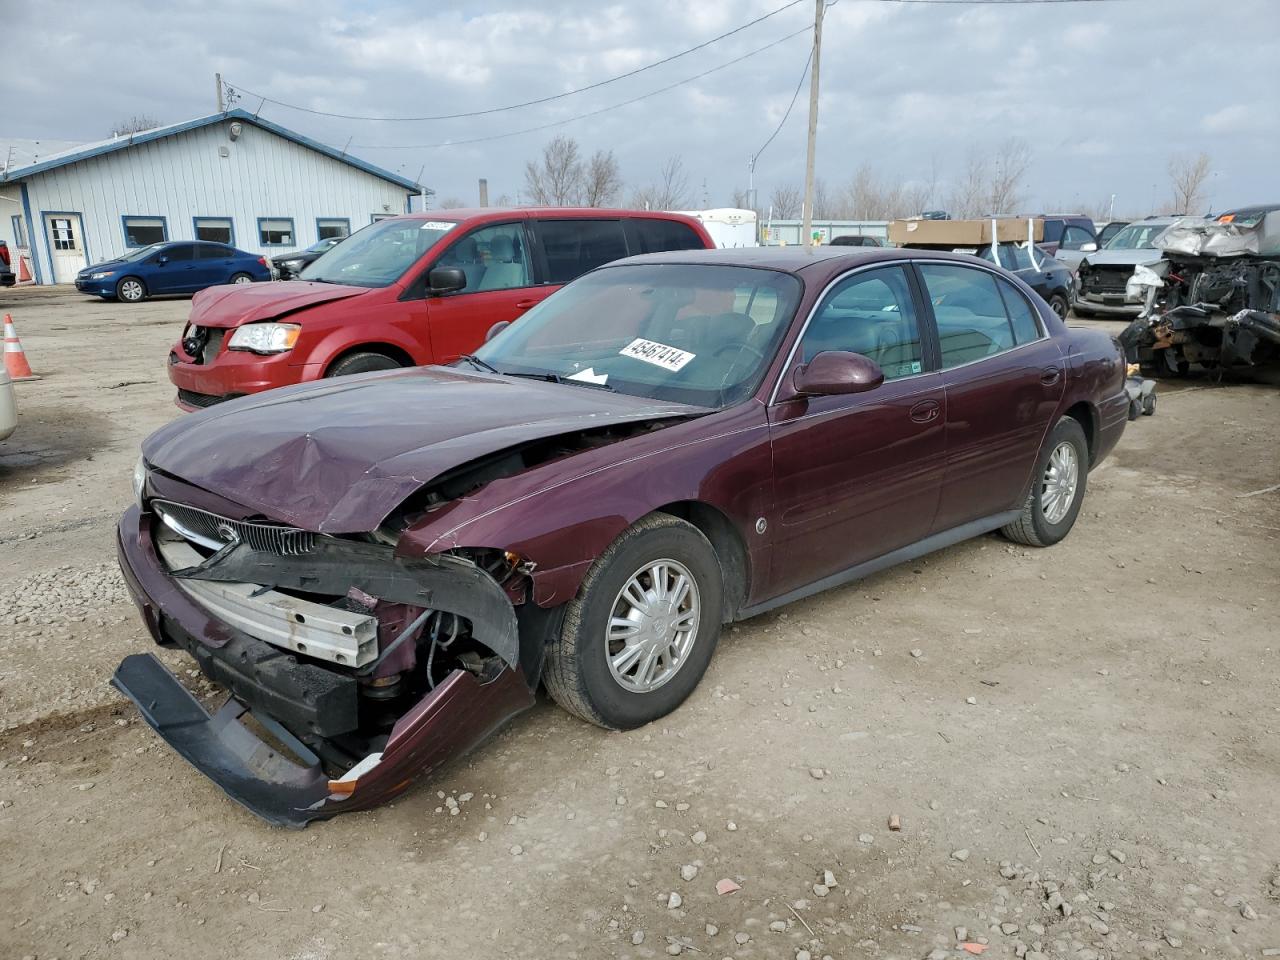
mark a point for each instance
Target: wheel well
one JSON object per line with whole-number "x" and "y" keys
{"x": 728, "y": 545}
{"x": 386, "y": 349}
{"x": 1087, "y": 417}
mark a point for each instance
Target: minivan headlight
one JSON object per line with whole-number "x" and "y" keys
{"x": 265, "y": 337}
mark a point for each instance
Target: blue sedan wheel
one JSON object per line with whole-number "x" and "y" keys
{"x": 241, "y": 278}
{"x": 131, "y": 290}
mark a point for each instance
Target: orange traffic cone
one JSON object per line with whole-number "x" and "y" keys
{"x": 15, "y": 360}
{"x": 24, "y": 272}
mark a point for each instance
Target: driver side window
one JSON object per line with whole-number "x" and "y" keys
{"x": 492, "y": 258}
{"x": 870, "y": 313}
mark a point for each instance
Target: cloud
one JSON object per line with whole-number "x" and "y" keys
{"x": 1236, "y": 118}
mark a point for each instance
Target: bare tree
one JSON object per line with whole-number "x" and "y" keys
{"x": 451, "y": 203}
{"x": 504, "y": 200}
{"x": 968, "y": 193}
{"x": 556, "y": 179}
{"x": 601, "y": 180}
{"x": 741, "y": 199}
{"x": 1006, "y": 172}
{"x": 824, "y": 202}
{"x": 135, "y": 124}
{"x": 1188, "y": 175}
{"x": 786, "y": 201}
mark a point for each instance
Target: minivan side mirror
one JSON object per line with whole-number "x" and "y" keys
{"x": 443, "y": 280}
{"x": 496, "y": 329}
{"x": 1089, "y": 247}
{"x": 835, "y": 372}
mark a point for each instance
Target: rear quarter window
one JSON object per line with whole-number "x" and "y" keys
{"x": 572, "y": 247}
{"x": 658, "y": 236}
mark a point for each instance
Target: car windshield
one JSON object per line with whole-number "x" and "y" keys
{"x": 1137, "y": 236}
{"x": 688, "y": 333}
{"x": 142, "y": 252}
{"x": 379, "y": 254}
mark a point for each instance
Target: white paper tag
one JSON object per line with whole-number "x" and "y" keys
{"x": 438, "y": 225}
{"x": 659, "y": 354}
{"x": 589, "y": 375}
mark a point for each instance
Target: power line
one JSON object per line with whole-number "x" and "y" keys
{"x": 799, "y": 86}
{"x": 526, "y": 103}
{"x": 592, "y": 113}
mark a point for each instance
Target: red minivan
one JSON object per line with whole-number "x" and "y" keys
{"x": 415, "y": 289}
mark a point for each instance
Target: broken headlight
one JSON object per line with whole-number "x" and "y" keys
{"x": 265, "y": 337}
{"x": 139, "y": 480}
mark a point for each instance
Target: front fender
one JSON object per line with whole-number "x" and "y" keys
{"x": 560, "y": 516}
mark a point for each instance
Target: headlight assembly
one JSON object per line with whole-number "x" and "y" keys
{"x": 139, "y": 480}
{"x": 103, "y": 275}
{"x": 265, "y": 337}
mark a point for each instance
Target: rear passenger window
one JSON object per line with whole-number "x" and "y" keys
{"x": 656, "y": 236}
{"x": 213, "y": 251}
{"x": 870, "y": 313}
{"x": 1021, "y": 315}
{"x": 572, "y": 247}
{"x": 970, "y": 313}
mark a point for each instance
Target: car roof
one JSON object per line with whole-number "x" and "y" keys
{"x": 795, "y": 260}
{"x": 543, "y": 213}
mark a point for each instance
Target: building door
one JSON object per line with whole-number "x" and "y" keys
{"x": 66, "y": 245}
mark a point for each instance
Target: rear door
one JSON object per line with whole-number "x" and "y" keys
{"x": 1003, "y": 378}
{"x": 566, "y": 249}
{"x": 501, "y": 284}
{"x": 214, "y": 264}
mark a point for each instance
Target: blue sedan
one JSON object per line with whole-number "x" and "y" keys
{"x": 184, "y": 266}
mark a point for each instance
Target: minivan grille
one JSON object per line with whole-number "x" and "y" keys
{"x": 212, "y": 531}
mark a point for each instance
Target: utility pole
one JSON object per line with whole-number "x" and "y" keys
{"x": 807, "y": 226}
{"x": 217, "y": 82}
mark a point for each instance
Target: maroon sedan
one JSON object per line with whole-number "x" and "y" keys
{"x": 382, "y": 569}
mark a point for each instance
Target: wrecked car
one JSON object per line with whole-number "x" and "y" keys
{"x": 1214, "y": 300}
{"x": 1104, "y": 276}
{"x": 382, "y": 569}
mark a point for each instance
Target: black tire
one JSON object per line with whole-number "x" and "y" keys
{"x": 1059, "y": 305}
{"x": 362, "y": 363}
{"x": 1033, "y": 527}
{"x": 577, "y": 672}
{"x": 131, "y": 290}
{"x": 1083, "y": 313}
{"x": 241, "y": 277}
{"x": 1149, "y": 405}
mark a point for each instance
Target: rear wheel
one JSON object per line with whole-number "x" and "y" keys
{"x": 1057, "y": 491}
{"x": 131, "y": 290}
{"x": 639, "y": 635}
{"x": 241, "y": 278}
{"x": 364, "y": 362}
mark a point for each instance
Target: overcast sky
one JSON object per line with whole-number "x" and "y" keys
{"x": 1104, "y": 92}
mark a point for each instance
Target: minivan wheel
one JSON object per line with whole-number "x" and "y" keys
{"x": 1057, "y": 489}
{"x": 131, "y": 290}
{"x": 640, "y": 633}
{"x": 241, "y": 278}
{"x": 362, "y": 363}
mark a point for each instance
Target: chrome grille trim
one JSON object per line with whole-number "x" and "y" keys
{"x": 215, "y": 532}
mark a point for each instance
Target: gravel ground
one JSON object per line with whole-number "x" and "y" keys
{"x": 1077, "y": 745}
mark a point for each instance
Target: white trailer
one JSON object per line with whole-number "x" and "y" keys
{"x": 728, "y": 227}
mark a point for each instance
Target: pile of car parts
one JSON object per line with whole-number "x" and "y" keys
{"x": 1214, "y": 300}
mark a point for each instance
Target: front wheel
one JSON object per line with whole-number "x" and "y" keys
{"x": 639, "y": 635}
{"x": 241, "y": 278}
{"x": 362, "y": 363}
{"x": 1057, "y": 490}
{"x": 131, "y": 290}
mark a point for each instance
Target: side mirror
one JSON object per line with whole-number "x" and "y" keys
{"x": 443, "y": 280}
{"x": 1089, "y": 247}
{"x": 162, "y": 260}
{"x": 835, "y": 372}
{"x": 496, "y": 329}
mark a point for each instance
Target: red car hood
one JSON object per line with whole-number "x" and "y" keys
{"x": 231, "y": 305}
{"x": 338, "y": 456}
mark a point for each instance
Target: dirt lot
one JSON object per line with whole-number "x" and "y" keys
{"x": 1081, "y": 742}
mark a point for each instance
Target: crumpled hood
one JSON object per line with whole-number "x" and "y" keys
{"x": 337, "y": 456}
{"x": 1122, "y": 258}
{"x": 232, "y": 305}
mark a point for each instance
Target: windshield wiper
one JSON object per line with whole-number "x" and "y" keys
{"x": 480, "y": 364}
{"x": 557, "y": 378}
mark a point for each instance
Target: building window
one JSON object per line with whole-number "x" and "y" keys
{"x": 381, "y": 216}
{"x": 276, "y": 232}
{"x": 140, "y": 231}
{"x": 216, "y": 229}
{"x": 328, "y": 227}
{"x": 20, "y": 233}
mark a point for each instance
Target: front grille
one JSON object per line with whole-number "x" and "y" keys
{"x": 212, "y": 531}
{"x": 191, "y": 398}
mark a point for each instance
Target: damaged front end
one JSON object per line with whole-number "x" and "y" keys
{"x": 350, "y": 670}
{"x": 1213, "y": 302}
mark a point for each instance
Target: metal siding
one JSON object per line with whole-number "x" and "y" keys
{"x": 182, "y": 177}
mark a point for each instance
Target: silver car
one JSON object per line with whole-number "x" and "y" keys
{"x": 1102, "y": 276}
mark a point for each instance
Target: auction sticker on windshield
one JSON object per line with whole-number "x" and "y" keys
{"x": 659, "y": 354}
{"x": 438, "y": 225}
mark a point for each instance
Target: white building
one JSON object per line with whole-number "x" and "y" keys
{"x": 231, "y": 177}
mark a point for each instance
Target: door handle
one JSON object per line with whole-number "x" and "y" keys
{"x": 1050, "y": 375}
{"x": 526, "y": 304}
{"x": 925, "y": 411}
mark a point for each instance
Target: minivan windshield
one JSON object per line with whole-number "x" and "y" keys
{"x": 378, "y": 255}
{"x": 700, "y": 334}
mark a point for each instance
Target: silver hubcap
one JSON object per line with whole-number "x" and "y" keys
{"x": 132, "y": 290}
{"x": 1061, "y": 477}
{"x": 243, "y": 280}
{"x": 652, "y": 626}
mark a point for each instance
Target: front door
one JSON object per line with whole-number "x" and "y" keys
{"x": 1004, "y": 380}
{"x": 500, "y": 286}
{"x": 66, "y": 245}
{"x": 173, "y": 270}
{"x": 858, "y": 476}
